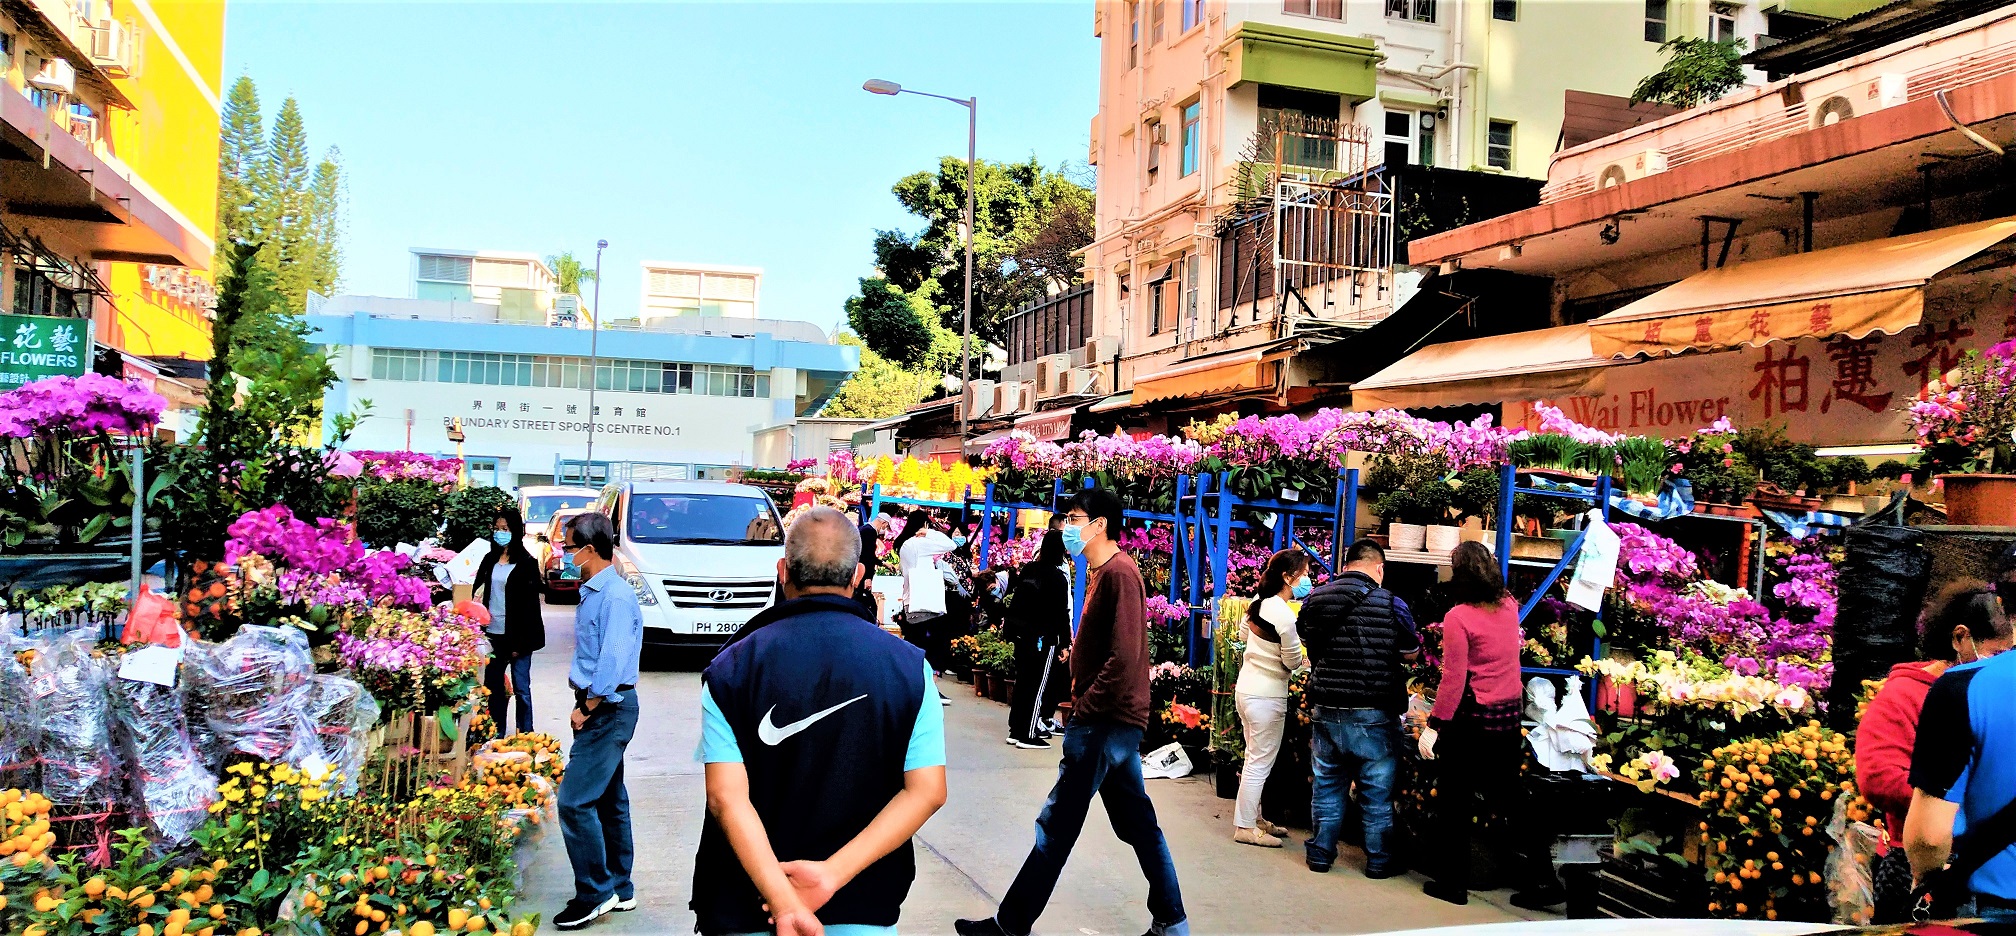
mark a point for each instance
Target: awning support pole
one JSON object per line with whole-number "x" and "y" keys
{"x": 1806, "y": 221}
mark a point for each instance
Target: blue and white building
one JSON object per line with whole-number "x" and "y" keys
{"x": 676, "y": 396}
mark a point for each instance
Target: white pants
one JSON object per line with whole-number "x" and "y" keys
{"x": 1264, "y": 719}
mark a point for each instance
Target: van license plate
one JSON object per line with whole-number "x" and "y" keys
{"x": 716, "y": 627}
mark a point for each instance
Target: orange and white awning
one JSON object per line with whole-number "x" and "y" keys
{"x": 1874, "y": 286}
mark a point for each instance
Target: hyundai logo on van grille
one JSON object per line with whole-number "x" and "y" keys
{"x": 721, "y": 594}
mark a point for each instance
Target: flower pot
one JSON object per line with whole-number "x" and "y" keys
{"x": 1620, "y": 699}
{"x": 1226, "y": 783}
{"x": 980, "y": 680}
{"x": 1442, "y": 539}
{"x": 1407, "y": 537}
{"x": 999, "y": 687}
{"x": 1980, "y": 499}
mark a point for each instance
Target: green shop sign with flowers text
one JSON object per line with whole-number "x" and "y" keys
{"x": 36, "y": 346}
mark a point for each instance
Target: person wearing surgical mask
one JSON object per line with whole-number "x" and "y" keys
{"x": 1273, "y": 654}
{"x": 508, "y": 583}
{"x": 1960, "y": 625}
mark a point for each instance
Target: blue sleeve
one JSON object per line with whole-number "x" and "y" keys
{"x": 927, "y": 738}
{"x": 622, "y": 644}
{"x": 1406, "y": 616}
{"x": 717, "y": 740}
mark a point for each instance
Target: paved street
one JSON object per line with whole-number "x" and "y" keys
{"x": 969, "y": 852}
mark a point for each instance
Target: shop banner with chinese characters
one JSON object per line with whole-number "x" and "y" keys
{"x": 1836, "y": 390}
{"x": 36, "y": 346}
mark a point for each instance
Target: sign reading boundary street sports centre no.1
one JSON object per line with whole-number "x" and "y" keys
{"x": 36, "y": 346}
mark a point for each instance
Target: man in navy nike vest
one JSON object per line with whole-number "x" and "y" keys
{"x": 825, "y": 751}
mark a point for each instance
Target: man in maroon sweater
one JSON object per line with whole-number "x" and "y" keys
{"x": 1102, "y": 745}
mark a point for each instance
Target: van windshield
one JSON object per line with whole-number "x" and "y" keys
{"x": 541, "y": 507}
{"x": 707, "y": 519}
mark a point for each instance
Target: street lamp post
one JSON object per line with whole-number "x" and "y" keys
{"x": 972, "y": 105}
{"x": 594, "y": 336}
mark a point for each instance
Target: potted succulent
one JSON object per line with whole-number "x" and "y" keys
{"x": 1966, "y": 428}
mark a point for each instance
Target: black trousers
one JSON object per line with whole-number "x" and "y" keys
{"x": 1473, "y": 761}
{"x": 1035, "y": 673}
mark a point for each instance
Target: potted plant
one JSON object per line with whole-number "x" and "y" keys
{"x": 1966, "y": 428}
{"x": 1722, "y": 475}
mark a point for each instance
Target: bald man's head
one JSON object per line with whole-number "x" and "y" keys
{"x": 821, "y": 552}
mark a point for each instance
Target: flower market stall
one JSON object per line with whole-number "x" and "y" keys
{"x": 1711, "y": 651}
{"x": 279, "y": 745}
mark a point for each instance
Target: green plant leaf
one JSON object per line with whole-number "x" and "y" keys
{"x": 93, "y": 527}
{"x": 445, "y": 717}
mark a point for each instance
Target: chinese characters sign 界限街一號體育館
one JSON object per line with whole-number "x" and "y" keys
{"x": 36, "y": 346}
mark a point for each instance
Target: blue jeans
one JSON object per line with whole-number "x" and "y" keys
{"x": 1360, "y": 745}
{"x": 595, "y": 807}
{"x": 521, "y": 688}
{"x": 1996, "y": 914}
{"x": 1102, "y": 758}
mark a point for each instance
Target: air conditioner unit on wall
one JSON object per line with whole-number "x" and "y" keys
{"x": 1877, "y": 93}
{"x": 1014, "y": 397}
{"x": 1047, "y": 368}
{"x": 111, "y": 46}
{"x": 55, "y": 75}
{"x": 981, "y": 396}
{"x": 1025, "y": 370}
{"x": 1632, "y": 169}
{"x": 1084, "y": 381}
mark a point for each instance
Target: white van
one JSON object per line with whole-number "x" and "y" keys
{"x": 702, "y": 555}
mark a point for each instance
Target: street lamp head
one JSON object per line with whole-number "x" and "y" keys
{"x": 601, "y": 245}
{"x": 879, "y": 86}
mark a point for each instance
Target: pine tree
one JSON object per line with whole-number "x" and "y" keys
{"x": 241, "y": 159}
{"x": 325, "y": 224}
{"x": 282, "y": 210}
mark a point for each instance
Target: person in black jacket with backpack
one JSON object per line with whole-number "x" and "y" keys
{"x": 1039, "y": 626}
{"x": 508, "y": 583}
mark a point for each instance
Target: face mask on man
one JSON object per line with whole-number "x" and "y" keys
{"x": 501, "y": 537}
{"x": 1074, "y": 540}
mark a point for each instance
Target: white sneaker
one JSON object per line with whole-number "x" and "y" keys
{"x": 623, "y": 906}
{"x": 576, "y": 914}
{"x": 943, "y": 700}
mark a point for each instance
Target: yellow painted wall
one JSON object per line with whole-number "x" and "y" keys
{"x": 1527, "y": 68}
{"x": 169, "y": 140}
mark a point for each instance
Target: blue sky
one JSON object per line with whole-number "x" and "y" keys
{"x": 713, "y": 132}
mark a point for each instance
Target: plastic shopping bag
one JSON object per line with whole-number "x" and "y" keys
{"x": 1167, "y": 762}
{"x": 152, "y": 621}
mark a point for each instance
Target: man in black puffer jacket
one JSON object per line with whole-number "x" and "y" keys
{"x": 1358, "y": 636}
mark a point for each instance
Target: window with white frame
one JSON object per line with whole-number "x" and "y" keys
{"x": 1192, "y": 265}
{"x": 1192, "y": 140}
{"x": 1722, "y": 22}
{"x": 437, "y": 269}
{"x": 1655, "y": 20}
{"x": 1156, "y": 18}
{"x": 1410, "y": 138}
{"x": 1151, "y": 134}
{"x": 568, "y": 372}
{"x": 1134, "y": 33}
{"x": 1420, "y": 11}
{"x": 1321, "y": 9}
{"x": 1498, "y": 145}
{"x": 1193, "y": 14}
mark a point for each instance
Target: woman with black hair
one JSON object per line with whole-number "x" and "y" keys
{"x": 1039, "y": 625}
{"x": 1474, "y": 732}
{"x": 1964, "y": 623}
{"x": 1273, "y": 653}
{"x": 509, "y": 584}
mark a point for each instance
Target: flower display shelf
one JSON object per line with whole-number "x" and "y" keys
{"x": 1980, "y": 499}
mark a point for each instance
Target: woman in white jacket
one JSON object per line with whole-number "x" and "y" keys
{"x": 1273, "y": 651}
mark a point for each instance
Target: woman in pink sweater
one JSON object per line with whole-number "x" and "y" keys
{"x": 1474, "y": 731}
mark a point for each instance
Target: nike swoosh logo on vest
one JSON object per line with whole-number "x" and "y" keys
{"x": 768, "y": 732}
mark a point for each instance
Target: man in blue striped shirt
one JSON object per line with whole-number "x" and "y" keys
{"x": 594, "y": 806}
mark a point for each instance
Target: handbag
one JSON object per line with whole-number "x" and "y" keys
{"x": 1946, "y": 892}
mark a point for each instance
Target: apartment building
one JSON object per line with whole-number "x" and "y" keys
{"x": 1262, "y": 164}
{"x": 1806, "y": 253}
{"x": 109, "y": 119}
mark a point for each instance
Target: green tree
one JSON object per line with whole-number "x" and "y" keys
{"x": 241, "y": 157}
{"x": 891, "y": 323}
{"x": 321, "y": 260}
{"x": 1696, "y": 71}
{"x": 283, "y": 211}
{"x": 881, "y": 388}
{"x": 569, "y": 272}
{"x": 1029, "y": 222}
